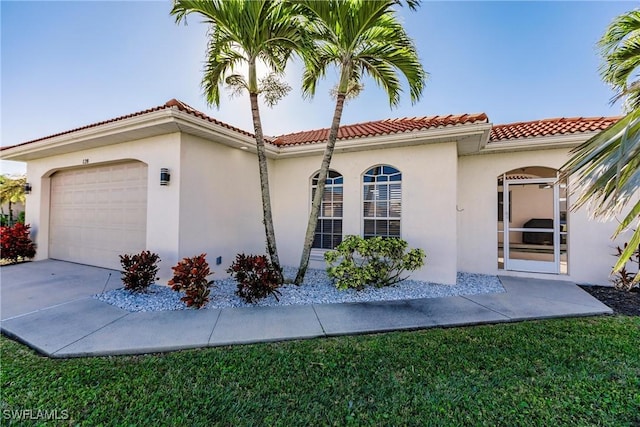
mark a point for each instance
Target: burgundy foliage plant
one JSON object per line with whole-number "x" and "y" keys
{"x": 257, "y": 278}
{"x": 16, "y": 243}
{"x": 190, "y": 275}
{"x": 139, "y": 270}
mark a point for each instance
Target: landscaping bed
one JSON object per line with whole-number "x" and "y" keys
{"x": 621, "y": 302}
{"x": 316, "y": 289}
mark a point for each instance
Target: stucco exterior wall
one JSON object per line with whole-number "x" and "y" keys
{"x": 589, "y": 244}
{"x": 428, "y": 202}
{"x": 162, "y": 209}
{"x": 220, "y": 205}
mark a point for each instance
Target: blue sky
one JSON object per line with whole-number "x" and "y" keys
{"x": 68, "y": 64}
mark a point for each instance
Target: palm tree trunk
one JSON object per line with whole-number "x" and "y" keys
{"x": 264, "y": 186}
{"x": 317, "y": 198}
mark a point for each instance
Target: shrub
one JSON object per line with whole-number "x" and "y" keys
{"x": 257, "y": 278}
{"x": 16, "y": 243}
{"x": 376, "y": 261}
{"x": 140, "y": 270}
{"x": 21, "y": 217}
{"x": 623, "y": 279}
{"x": 190, "y": 275}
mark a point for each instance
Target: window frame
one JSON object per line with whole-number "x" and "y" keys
{"x": 375, "y": 183}
{"x": 321, "y": 217}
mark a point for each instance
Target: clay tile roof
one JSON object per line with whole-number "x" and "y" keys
{"x": 380, "y": 127}
{"x": 172, "y": 103}
{"x": 548, "y": 127}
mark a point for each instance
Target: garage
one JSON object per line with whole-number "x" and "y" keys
{"x": 98, "y": 213}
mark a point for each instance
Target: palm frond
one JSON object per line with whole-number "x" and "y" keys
{"x": 363, "y": 37}
{"x": 606, "y": 169}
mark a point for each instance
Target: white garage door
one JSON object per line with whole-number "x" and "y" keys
{"x": 98, "y": 213}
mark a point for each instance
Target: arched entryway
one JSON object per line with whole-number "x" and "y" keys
{"x": 532, "y": 221}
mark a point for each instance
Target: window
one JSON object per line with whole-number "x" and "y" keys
{"x": 329, "y": 227}
{"x": 382, "y": 204}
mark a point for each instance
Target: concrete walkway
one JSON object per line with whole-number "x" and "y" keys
{"x": 48, "y": 306}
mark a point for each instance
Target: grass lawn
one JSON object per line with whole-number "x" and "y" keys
{"x": 554, "y": 372}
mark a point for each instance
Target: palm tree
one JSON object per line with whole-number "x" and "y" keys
{"x": 12, "y": 191}
{"x": 244, "y": 33}
{"x": 620, "y": 49}
{"x": 359, "y": 38}
{"x": 607, "y": 166}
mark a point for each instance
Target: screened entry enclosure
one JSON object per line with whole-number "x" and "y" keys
{"x": 532, "y": 221}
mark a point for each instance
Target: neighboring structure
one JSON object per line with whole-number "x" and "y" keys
{"x": 177, "y": 182}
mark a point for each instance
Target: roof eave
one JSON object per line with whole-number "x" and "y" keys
{"x": 161, "y": 122}
{"x": 538, "y": 143}
{"x": 474, "y": 134}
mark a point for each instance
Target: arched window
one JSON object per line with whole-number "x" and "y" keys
{"x": 329, "y": 227}
{"x": 382, "y": 201}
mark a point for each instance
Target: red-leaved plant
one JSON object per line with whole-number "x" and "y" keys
{"x": 624, "y": 279}
{"x": 257, "y": 278}
{"x": 139, "y": 270}
{"x": 190, "y": 275}
{"x": 15, "y": 243}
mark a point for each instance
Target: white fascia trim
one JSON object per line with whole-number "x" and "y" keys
{"x": 451, "y": 133}
{"x": 189, "y": 123}
{"x": 104, "y": 130}
{"x": 180, "y": 121}
{"x": 538, "y": 143}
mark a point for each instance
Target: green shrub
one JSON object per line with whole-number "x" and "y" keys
{"x": 190, "y": 275}
{"x": 139, "y": 270}
{"x": 16, "y": 243}
{"x": 257, "y": 278}
{"x": 21, "y": 217}
{"x": 358, "y": 262}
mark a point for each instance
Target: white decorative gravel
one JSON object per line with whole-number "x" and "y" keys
{"x": 316, "y": 289}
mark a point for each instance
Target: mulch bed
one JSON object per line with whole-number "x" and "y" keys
{"x": 621, "y": 302}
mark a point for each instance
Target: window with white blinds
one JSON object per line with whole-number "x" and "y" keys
{"x": 328, "y": 233}
{"x": 382, "y": 202}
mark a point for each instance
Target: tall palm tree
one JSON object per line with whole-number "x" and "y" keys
{"x": 607, "y": 166}
{"x": 244, "y": 33}
{"x": 359, "y": 38}
{"x": 12, "y": 191}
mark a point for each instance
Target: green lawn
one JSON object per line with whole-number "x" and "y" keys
{"x": 554, "y": 372}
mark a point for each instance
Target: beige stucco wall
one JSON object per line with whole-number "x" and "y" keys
{"x": 589, "y": 244}
{"x": 220, "y": 204}
{"x": 428, "y": 201}
{"x": 162, "y": 209}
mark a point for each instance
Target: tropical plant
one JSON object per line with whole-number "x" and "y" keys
{"x": 623, "y": 279}
{"x": 620, "y": 50}
{"x": 360, "y": 38}
{"x": 16, "y": 243}
{"x": 357, "y": 262}
{"x": 190, "y": 275}
{"x": 246, "y": 33}
{"x": 257, "y": 278}
{"x": 139, "y": 271}
{"x": 607, "y": 166}
{"x": 11, "y": 192}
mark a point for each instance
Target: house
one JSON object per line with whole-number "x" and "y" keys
{"x": 476, "y": 197}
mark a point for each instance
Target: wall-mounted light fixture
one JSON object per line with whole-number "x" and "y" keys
{"x": 165, "y": 176}
{"x": 27, "y": 188}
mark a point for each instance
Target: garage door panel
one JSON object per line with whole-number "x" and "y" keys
{"x": 98, "y": 213}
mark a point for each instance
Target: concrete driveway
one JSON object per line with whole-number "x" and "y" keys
{"x": 48, "y": 305}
